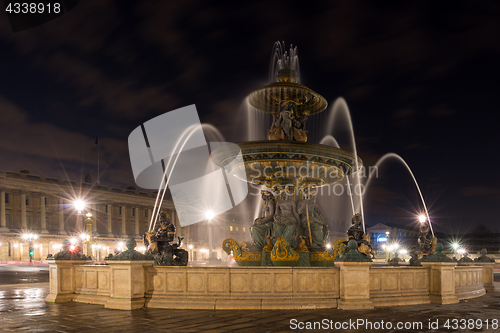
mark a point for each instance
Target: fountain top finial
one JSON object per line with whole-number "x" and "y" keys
{"x": 287, "y": 75}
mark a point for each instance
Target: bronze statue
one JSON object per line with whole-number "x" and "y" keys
{"x": 425, "y": 239}
{"x": 356, "y": 233}
{"x": 312, "y": 223}
{"x": 286, "y": 218}
{"x": 262, "y": 226}
{"x": 158, "y": 244}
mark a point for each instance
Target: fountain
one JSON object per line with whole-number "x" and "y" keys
{"x": 291, "y": 232}
{"x": 289, "y": 169}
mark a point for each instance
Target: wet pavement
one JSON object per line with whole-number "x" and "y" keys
{"x": 23, "y": 309}
{"x": 25, "y": 273}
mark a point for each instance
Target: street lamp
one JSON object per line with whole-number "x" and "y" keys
{"x": 79, "y": 205}
{"x": 210, "y": 215}
{"x": 30, "y": 238}
{"x": 455, "y": 247}
{"x": 421, "y": 218}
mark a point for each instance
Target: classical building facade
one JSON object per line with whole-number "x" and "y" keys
{"x": 45, "y": 206}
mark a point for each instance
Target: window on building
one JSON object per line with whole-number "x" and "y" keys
{"x": 7, "y": 220}
{"x": 45, "y": 202}
{"x": 236, "y": 228}
{"x": 244, "y": 230}
{"x": 28, "y": 221}
{"x": 27, "y": 200}
{"x": 230, "y": 228}
{"x": 133, "y": 211}
{"x": 145, "y": 213}
{"x": 120, "y": 210}
{"x": 7, "y": 198}
{"x": 106, "y": 208}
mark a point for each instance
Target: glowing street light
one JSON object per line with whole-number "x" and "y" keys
{"x": 79, "y": 205}
{"x": 209, "y": 215}
{"x": 455, "y": 246}
{"x": 30, "y": 237}
{"x": 84, "y": 237}
{"x": 73, "y": 240}
{"x": 422, "y": 218}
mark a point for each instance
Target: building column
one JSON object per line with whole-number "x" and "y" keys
{"x": 137, "y": 212}
{"x": 124, "y": 220}
{"x": 146, "y": 216}
{"x": 110, "y": 220}
{"x": 24, "y": 225}
{"x": 3, "y": 221}
{"x": 43, "y": 215}
{"x": 61, "y": 218}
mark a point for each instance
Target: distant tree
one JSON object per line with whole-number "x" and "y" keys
{"x": 482, "y": 231}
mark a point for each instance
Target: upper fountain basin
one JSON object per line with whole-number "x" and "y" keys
{"x": 270, "y": 97}
{"x": 287, "y": 163}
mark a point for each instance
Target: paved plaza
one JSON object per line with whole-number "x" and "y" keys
{"x": 23, "y": 309}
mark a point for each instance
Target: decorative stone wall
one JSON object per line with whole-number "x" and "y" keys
{"x": 469, "y": 282}
{"x": 93, "y": 284}
{"x": 399, "y": 285}
{"x": 128, "y": 285}
{"x": 242, "y": 287}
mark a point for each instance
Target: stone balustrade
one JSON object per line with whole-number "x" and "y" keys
{"x": 399, "y": 285}
{"x": 130, "y": 285}
{"x": 469, "y": 282}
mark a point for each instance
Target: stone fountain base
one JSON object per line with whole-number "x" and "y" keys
{"x": 128, "y": 285}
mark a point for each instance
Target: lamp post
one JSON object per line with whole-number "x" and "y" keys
{"x": 86, "y": 236}
{"x": 30, "y": 238}
{"x": 455, "y": 247}
{"x": 210, "y": 215}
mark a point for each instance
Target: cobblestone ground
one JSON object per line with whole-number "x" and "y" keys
{"x": 22, "y": 309}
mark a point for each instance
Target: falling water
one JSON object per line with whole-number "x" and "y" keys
{"x": 185, "y": 136}
{"x": 329, "y": 141}
{"x": 212, "y": 133}
{"x": 341, "y": 105}
{"x": 399, "y": 158}
{"x": 281, "y": 58}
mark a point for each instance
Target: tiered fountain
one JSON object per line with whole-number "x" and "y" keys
{"x": 292, "y": 230}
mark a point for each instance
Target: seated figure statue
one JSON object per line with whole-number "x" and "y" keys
{"x": 286, "y": 219}
{"x": 158, "y": 244}
{"x": 356, "y": 233}
{"x": 425, "y": 239}
{"x": 262, "y": 226}
{"x": 316, "y": 239}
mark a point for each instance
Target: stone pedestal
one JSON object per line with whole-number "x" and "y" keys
{"x": 442, "y": 282}
{"x": 62, "y": 280}
{"x": 488, "y": 275}
{"x": 128, "y": 284}
{"x": 354, "y": 285}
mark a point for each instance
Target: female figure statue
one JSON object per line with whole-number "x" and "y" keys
{"x": 286, "y": 219}
{"x": 262, "y": 226}
{"x": 319, "y": 230}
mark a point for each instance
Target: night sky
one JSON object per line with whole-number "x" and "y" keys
{"x": 421, "y": 80}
